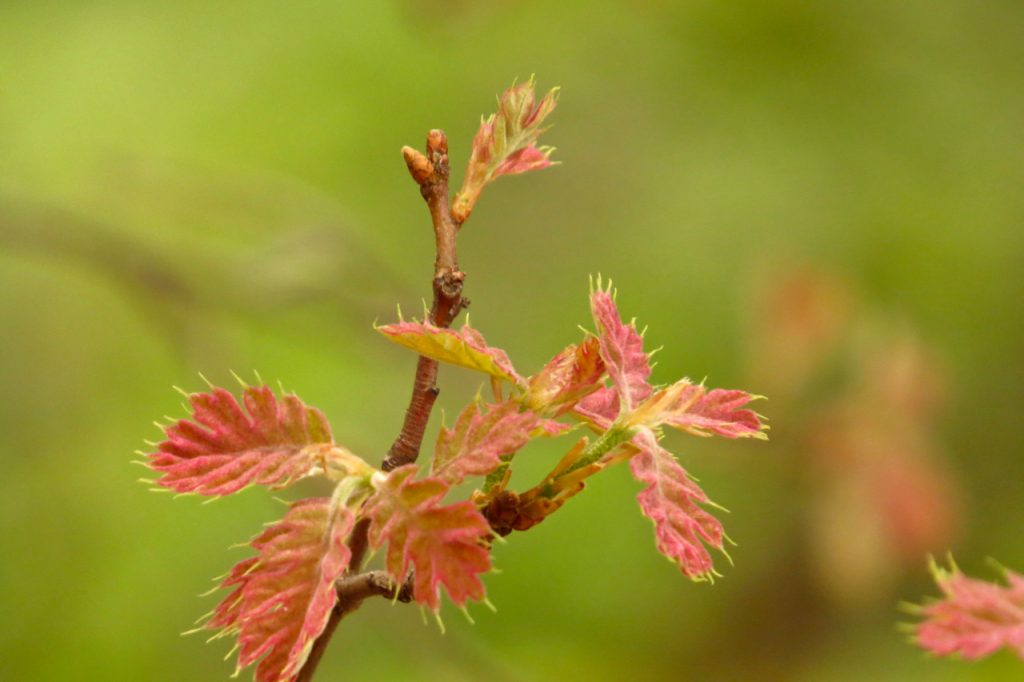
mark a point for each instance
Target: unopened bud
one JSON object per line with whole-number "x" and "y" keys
{"x": 419, "y": 165}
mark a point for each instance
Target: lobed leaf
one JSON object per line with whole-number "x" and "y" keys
{"x": 974, "y": 618}
{"x": 672, "y": 501}
{"x": 506, "y": 144}
{"x": 282, "y": 598}
{"x": 475, "y": 444}
{"x": 600, "y": 408}
{"x": 224, "y": 447}
{"x": 465, "y": 348}
{"x": 443, "y": 544}
{"x": 718, "y": 411}
{"x": 569, "y": 377}
{"x": 692, "y": 408}
{"x": 622, "y": 350}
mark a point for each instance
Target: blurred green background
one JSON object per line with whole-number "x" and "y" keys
{"x": 820, "y": 202}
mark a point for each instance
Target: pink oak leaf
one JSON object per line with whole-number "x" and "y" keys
{"x": 672, "y": 501}
{"x": 600, "y": 408}
{"x": 442, "y": 544}
{"x": 622, "y": 349}
{"x": 477, "y": 441}
{"x": 550, "y": 428}
{"x": 569, "y": 377}
{"x": 282, "y": 598}
{"x": 526, "y": 159}
{"x": 692, "y": 408}
{"x": 718, "y": 411}
{"x": 973, "y": 618}
{"x": 506, "y": 144}
{"x": 224, "y": 447}
{"x": 465, "y": 347}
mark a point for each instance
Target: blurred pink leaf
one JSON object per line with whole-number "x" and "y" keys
{"x": 283, "y": 597}
{"x": 477, "y": 441}
{"x": 442, "y": 544}
{"x": 223, "y": 448}
{"x": 506, "y": 144}
{"x": 973, "y": 618}
{"x": 465, "y": 347}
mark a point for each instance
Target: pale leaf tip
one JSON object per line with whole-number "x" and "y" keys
{"x": 241, "y": 382}
{"x": 439, "y": 621}
{"x": 910, "y": 608}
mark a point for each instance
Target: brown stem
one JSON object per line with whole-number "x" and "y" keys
{"x": 352, "y": 591}
{"x": 430, "y": 172}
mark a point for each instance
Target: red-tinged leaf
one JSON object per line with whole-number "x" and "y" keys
{"x": 600, "y": 408}
{"x": 223, "y": 448}
{"x": 672, "y": 501}
{"x": 622, "y": 349}
{"x": 443, "y": 544}
{"x": 506, "y": 144}
{"x": 719, "y": 411}
{"x": 475, "y": 444}
{"x": 465, "y": 348}
{"x": 569, "y": 377}
{"x": 282, "y": 598}
{"x": 550, "y": 428}
{"x": 526, "y": 159}
{"x": 692, "y": 408}
{"x": 973, "y": 618}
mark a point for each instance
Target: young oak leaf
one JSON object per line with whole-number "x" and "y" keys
{"x": 569, "y": 377}
{"x": 478, "y": 440}
{"x": 224, "y": 447}
{"x": 506, "y": 144}
{"x": 692, "y": 408}
{"x": 622, "y": 350}
{"x": 465, "y": 347}
{"x": 974, "y": 618}
{"x": 672, "y": 501}
{"x": 719, "y": 412}
{"x": 600, "y": 408}
{"x": 442, "y": 544}
{"x": 282, "y": 598}
{"x": 683, "y": 405}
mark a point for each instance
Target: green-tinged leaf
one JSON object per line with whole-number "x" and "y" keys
{"x": 692, "y": 408}
{"x": 569, "y": 377}
{"x": 506, "y": 143}
{"x": 465, "y": 347}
